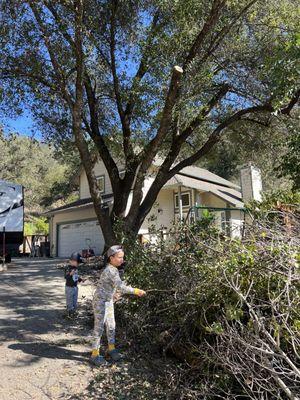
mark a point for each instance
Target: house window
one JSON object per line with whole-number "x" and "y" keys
{"x": 186, "y": 199}
{"x": 101, "y": 183}
{"x": 225, "y": 222}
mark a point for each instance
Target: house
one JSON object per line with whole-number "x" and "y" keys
{"x": 74, "y": 227}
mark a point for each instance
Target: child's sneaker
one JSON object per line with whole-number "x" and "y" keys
{"x": 114, "y": 355}
{"x": 98, "y": 361}
{"x": 68, "y": 315}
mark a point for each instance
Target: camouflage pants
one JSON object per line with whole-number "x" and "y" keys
{"x": 103, "y": 315}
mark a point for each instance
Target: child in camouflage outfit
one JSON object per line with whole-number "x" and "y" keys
{"x": 103, "y": 305}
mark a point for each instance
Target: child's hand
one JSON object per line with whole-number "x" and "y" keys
{"x": 117, "y": 296}
{"x": 141, "y": 293}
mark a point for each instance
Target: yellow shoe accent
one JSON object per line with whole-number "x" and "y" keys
{"x": 95, "y": 353}
{"x": 111, "y": 347}
{"x": 136, "y": 291}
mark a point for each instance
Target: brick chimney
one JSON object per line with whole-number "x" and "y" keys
{"x": 251, "y": 183}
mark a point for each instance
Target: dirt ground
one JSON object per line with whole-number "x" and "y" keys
{"x": 42, "y": 355}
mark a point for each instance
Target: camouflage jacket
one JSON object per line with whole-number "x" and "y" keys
{"x": 109, "y": 282}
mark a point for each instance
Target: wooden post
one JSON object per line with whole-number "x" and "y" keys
{"x": 24, "y": 245}
{"x": 3, "y": 249}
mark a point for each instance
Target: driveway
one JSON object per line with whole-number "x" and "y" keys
{"x": 42, "y": 355}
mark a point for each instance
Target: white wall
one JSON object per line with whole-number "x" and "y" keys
{"x": 208, "y": 199}
{"x": 236, "y": 223}
{"x": 84, "y": 191}
{"x": 165, "y": 202}
{"x": 67, "y": 216}
{"x": 148, "y": 182}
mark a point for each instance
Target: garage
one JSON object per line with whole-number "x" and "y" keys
{"x": 79, "y": 235}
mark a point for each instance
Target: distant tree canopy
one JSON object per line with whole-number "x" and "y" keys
{"x": 274, "y": 147}
{"x": 290, "y": 164}
{"x": 141, "y": 79}
{"x": 32, "y": 164}
{"x": 36, "y": 226}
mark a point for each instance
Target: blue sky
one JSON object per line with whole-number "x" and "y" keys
{"x": 24, "y": 125}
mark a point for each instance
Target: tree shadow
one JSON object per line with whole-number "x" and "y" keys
{"x": 39, "y": 350}
{"x": 32, "y": 301}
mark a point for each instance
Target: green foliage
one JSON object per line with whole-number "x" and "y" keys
{"x": 256, "y": 54}
{"x": 37, "y": 226}
{"x": 276, "y": 200}
{"x": 290, "y": 163}
{"x": 207, "y": 293}
{"x": 32, "y": 164}
{"x": 271, "y": 144}
{"x": 238, "y": 59}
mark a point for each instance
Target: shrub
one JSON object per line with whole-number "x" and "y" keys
{"x": 228, "y": 309}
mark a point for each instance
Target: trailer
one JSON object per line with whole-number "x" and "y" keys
{"x": 11, "y": 219}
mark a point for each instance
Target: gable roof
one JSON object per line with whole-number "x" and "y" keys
{"x": 227, "y": 194}
{"x": 81, "y": 203}
{"x": 192, "y": 177}
{"x": 207, "y": 176}
{"x": 193, "y": 172}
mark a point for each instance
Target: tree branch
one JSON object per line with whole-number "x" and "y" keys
{"x": 142, "y": 67}
{"x": 295, "y": 99}
{"x": 125, "y": 122}
{"x": 19, "y": 73}
{"x": 94, "y": 132}
{"x": 255, "y": 121}
{"x": 113, "y": 60}
{"x": 225, "y": 30}
{"x": 215, "y": 136}
{"x": 82, "y": 145}
{"x": 121, "y": 187}
{"x": 203, "y": 113}
{"x": 58, "y": 21}
{"x": 151, "y": 149}
{"x": 93, "y": 127}
{"x": 208, "y": 26}
{"x": 57, "y": 68}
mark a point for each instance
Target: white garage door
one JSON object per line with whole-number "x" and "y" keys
{"x": 80, "y": 235}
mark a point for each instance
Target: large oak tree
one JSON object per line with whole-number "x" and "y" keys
{"x": 130, "y": 80}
